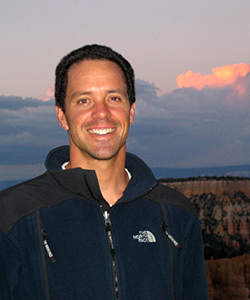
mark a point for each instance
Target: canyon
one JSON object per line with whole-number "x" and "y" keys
{"x": 223, "y": 207}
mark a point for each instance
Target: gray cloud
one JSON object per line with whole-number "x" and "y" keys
{"x": 28, "y": 130}
{"x": 16, "y": 103}
{"x": 185, "y": 128}
{"x": 193, "y": 128}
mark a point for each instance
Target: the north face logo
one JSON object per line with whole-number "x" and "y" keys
{"x": 145, "y": 236}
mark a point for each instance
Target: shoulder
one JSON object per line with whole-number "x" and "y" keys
{"x": 24, "y": 198}
{"x": 163, "y": 194}
{"x": 30, "y": 188}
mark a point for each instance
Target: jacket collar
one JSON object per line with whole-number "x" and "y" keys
{"x": 73, "y": 180}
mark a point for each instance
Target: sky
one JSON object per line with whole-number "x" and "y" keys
{"x": 192, "y": 68}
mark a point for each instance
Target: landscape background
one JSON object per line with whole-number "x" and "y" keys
{"x": 182, "y": 174}
{"x": 223, "y": 206}
{"x": 192, "y": 67}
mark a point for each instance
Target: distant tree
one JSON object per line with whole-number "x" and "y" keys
{"x": 242, "y": 250}
{"x": 209, "y": 252}
{"x": 221, "y": 254}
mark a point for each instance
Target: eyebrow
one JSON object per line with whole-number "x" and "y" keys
{"x": 118, "y": 91}
{"x": 79, "y": 94}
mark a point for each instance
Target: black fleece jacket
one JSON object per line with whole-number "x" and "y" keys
{"x": 59, "y": 239}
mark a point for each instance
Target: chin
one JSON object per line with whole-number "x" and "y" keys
{"x": 105, "y": 155}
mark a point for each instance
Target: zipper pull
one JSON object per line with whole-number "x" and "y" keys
{"x": 109, "y": 232}
{"x": 169, "y": 236}
{"x": 46, "y": 245}
{"x": 107, "y": 220}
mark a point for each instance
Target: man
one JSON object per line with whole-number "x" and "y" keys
{"x": 97, "y": 225}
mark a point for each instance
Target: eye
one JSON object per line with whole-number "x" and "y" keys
{"x": 83, "y": 101}
{"x": 115, "y": 98}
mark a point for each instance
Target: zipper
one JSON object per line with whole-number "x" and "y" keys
{"x": 112, "y": 252}
{"x": 170, "y": 237}
{"x": 104, "y": 206}
{"x": 105, "y": 209}
{"x": 43, "y": 258}
{"x": 46, "y": 246}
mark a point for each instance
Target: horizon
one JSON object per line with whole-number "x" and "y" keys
{"x": 192, "y": 70}
{"x": 165, "y": 174}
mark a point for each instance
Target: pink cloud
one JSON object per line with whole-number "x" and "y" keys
{"x": 220, "y": 77}
{"x": 49, "y": 94}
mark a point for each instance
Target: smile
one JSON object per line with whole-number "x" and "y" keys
{"x": 101, "y": 131}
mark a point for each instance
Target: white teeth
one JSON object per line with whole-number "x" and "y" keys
{"x": 102, "y": 131}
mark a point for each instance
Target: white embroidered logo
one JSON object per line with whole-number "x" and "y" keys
{"x": 145, "y": 236}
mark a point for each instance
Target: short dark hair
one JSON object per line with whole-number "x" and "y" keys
{"x": 91, "y": 52}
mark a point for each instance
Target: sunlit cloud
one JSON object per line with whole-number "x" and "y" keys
{"x": 188, "y": 127}
{"x": 49, "y": 94}
{"x": 220, "y": 77}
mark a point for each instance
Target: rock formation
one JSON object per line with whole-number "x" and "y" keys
{"x": 223, "y": 207}
{"x": 229, "y": 278}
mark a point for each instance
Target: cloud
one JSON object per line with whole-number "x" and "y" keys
{"x": 188, "y": 127}
{"x": 220, "y": 77}
{"x": 49, "y": 94}
{"x": 28, "y": 129}
{"x": 16, "y": 103}
{"x": 192, "y": 127}
{"x": 20, "y": 172}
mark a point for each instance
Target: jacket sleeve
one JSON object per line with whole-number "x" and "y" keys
{"x": 195, "y": 279}
{"x": 9, "y": 268}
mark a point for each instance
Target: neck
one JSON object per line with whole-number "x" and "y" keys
{"x": 112, "y": 182}
{"x": 111, "y": 174}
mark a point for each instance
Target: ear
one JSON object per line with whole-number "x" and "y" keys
{"x": 132, "y": 113}
{"x": 61, "y": 118}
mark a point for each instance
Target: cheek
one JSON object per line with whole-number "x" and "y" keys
{"x": 77, "y": 119}
{"x": 123, "y": 115}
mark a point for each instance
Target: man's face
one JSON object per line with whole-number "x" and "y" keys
{"x": 97, "y": 110}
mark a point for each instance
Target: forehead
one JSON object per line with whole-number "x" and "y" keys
{"x": 95, "y": 69}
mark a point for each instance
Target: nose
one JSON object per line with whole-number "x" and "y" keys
{"x": 101, "y": 111}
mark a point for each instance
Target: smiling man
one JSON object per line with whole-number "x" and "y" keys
{"x": 97, "y": 115}
{"x": 97, "y": 224}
